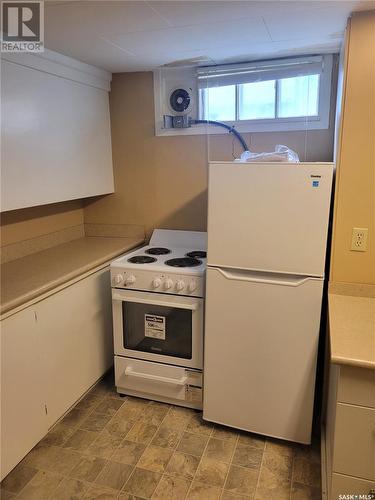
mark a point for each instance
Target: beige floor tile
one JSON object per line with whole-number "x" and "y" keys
{"x": 18, "y": 478}
{"x": 303, "y": 492}
{"x": 175, "y": 421}
{"x": 97, "y": 492}
{"x": 75, "y": 417}
{"x": 155, "y": 412}
{"x": 41, "y": 487}
{"x": 308, "y": 452}
{"x": 127, "y": 496}
{"x": 109, "y": 406}
{"x": 279, "y": 465}
{"x": 281, "y": 492}
{"x": 192, "y": 444}
{"x": 171, "y": 488}
{"x": 155, "y": 458}
{"x": 133, "y": 402}
{"x": 38, "y": 456}
{"x": 167, "y": 437}
{"x": 228, "y": 495}
{"x": 7, "y": 495}
{"x": 182, "y": 412}
{"x": 273, "y": 482}
{"x": 104, "y": 445}
{"x": 198, "y": 426}
{"x": 249, "y": 439}
{"x": 118, "y": 425}
{"x": 70, "y": 489}
{"x": 221, "y": 432}
{"x": 306, "y": 472}
{"x": 53, "y": 459}
{"x": 247, "y": 456}
{"x": 241, "y": 481}
{"x": 95, "y": 422}
{"x": 128, "y": 452}
{"x": 114, "y": 475}
{"x": 81, "y": 440}
{"x": 279, "y": 447}
{"x": 142, "y": 483}
{"x": 58, "y": 435}
{"x": 212, "y": 472}
{"x": 219, "y": 449}
{"x": 142, "y": 432}
{"x": 89, "y": 402}
{"x": 200, "y": 491}
{"x": 88, "y": 468}
{"x": 182, "y": 465}
{"x": 129, "y": 412}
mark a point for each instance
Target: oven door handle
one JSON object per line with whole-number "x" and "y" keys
{"x": 131, "y": 373}
{"x": 164, "y": 303}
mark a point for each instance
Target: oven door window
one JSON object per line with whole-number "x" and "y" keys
{"x": 157, "y": 329}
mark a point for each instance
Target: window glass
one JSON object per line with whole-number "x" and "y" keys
{"x": 220, "y": 103}
{"x": 257, "y": 100}
{"x": 298, "y": 96}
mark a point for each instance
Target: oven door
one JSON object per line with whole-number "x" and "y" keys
{"x": 158, "y": 327}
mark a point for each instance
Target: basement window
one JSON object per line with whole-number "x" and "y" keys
{"x": 284, "y": 94}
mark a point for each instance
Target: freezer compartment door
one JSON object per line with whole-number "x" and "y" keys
{"x": 261, "y": 343}
{"x": 269, "y": 217}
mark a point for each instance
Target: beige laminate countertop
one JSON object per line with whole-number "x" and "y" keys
{"x": 352, "y": 330}
{"x": 29, "y": 277}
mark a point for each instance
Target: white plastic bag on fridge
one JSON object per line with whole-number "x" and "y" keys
{"x": 281, "y": 154}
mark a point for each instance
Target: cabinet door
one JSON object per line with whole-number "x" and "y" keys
{"x": 354, "y": 452}
{"x": 23, "y": 415}
{"x": 75, "y": 325}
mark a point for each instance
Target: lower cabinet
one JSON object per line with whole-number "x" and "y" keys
{"x": 350, "y": 433}
{"x": 23, "y": 413}
{"x": 51, "y": 354}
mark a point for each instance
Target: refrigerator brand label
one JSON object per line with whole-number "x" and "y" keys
{"x": 155, "y": 326}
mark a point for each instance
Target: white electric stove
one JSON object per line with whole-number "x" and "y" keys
{"x": 158, "y": 307}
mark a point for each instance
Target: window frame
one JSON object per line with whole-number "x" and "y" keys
{"x": 315, "y": 122}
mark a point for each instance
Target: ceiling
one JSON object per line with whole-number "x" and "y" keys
{"x": 141, "y": 35}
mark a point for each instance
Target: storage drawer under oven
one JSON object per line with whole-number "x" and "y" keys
{"x": 166, "y": 381}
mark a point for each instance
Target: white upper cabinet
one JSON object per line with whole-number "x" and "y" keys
{"x": 55, "y": 130}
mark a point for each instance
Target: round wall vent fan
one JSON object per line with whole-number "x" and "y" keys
{"x": 180, "y": 100}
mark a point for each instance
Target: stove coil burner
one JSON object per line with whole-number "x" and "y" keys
{"x": 141, "y": 259}
{"x": 197, "y": 254}
{"x": 158, "y": 251}
{"x": 183, "y": 262}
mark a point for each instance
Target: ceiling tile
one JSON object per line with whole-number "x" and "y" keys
{"x": 141, "y": 35}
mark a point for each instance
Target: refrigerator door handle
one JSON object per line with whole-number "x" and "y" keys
{"x": 255, "y": 277}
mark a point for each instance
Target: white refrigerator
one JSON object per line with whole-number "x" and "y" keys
{"x": 267, "y": 238}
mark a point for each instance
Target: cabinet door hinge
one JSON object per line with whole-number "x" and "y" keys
{"x": 46, "y": 409}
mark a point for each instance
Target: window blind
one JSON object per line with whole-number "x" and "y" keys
{"x": 231, "y": 74}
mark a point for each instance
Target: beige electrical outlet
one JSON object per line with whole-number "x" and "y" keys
{"x": 359, "y": 239}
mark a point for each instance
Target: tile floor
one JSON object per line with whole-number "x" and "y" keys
{"x": 109, "y": 447}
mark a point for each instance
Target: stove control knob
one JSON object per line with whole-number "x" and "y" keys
{"x": 156, "y": 282}
{"x": 192, "y": 286}
{"x": 130, "y": 280}
{"x": 168, "y": 283}
{"x": 180, "y": 285}
{"x": 117, "y": 279}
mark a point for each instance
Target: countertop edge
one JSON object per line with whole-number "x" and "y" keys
{"x": 336, "y": 336}
{"x": 359, "y": 363}
{"x": 23, "y": 300}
